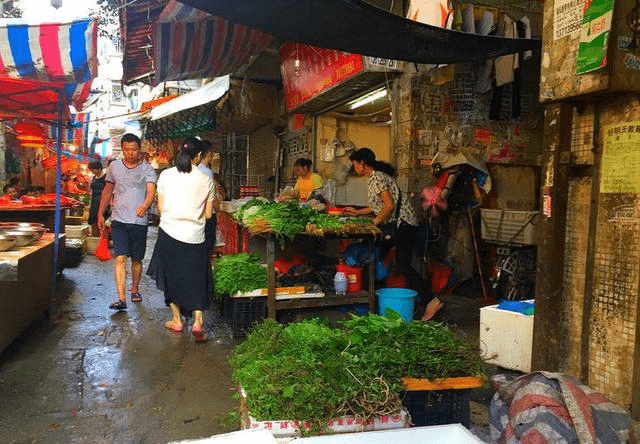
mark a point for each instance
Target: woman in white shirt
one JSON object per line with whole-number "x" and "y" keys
{"x": 179, "y": 263}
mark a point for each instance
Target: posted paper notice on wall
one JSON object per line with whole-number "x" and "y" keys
{"x": 621, "y": 158}
{"x": 594, "y": 36}
{"x": 567, "y": 18}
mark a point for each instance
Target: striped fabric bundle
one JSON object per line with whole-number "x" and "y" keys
{"x": 57, "y": 54}
{"x": 546, "y": 408}
{"x": 191, "y": 44}
{"x": 77, "y": 132}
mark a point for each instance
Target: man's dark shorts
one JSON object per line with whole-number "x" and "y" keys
{"x": 129, "y": 240}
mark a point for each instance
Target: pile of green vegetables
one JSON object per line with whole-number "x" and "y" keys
{"x": 309, "y": 371}
{"x": 238, "y": 272}
{"x": 287, "y": 218}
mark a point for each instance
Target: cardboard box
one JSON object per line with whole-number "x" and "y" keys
{"x": 506, "y": 338}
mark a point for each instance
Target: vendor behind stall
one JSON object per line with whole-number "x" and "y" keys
{"x": 308, "y": 181}
{"x": 393, "y": 214}
{"x": 10, "y": 191}
{"x": 97, "y": 185}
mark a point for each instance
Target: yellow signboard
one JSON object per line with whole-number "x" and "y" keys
{"x": 621, "y": 158}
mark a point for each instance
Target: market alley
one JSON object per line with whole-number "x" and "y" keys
{"x": 92, "y": 375}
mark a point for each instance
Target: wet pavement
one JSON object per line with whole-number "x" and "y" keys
{"x": 89, "y": 375}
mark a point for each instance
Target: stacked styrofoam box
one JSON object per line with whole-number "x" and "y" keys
{"x": 509, "y": 226}
{"x": 91, "y": 243}
{"x": 77, "y": 231}
{"x": 506, "y": 338}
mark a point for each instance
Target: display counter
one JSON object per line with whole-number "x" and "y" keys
{"x": 25, "y": 286}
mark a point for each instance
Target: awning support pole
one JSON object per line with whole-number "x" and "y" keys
{"x": 56, "y": 230}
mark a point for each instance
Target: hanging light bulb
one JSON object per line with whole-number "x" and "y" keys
{"x": 296, "y": 68}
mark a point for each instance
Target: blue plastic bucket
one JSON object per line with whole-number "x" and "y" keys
{"x": 400, "y": 300}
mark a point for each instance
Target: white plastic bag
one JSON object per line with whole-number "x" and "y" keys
{"x": 328, "y": 152}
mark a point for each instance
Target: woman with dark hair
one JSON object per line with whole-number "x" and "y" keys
{"x": 180, "y": 258}
{"x": 97, "y": 185}
{"x": 390, "y": 206}
{"x": 308, "y": 181}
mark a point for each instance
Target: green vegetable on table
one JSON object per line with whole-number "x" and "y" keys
{"x": 287, "y": 219}
{"x": 238, "y": 272}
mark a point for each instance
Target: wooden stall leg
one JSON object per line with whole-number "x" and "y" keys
{"x": 271, "y": 277}
{"x": 485, "y": 293}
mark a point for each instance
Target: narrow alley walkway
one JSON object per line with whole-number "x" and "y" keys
{"x": 95, "y": 376}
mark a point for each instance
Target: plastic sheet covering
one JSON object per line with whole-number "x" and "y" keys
{"x": 360, "y": 28}
{"x": 208, "y": 93}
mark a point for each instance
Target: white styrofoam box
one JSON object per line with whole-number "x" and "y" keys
{"x": 506, "y": 338}
{"x": 289, "y": 429}
{"x": 283, "y": 428}
{"x": 509, "y": 226}
{"x": 440, "y": 434}
{"x": 226, "y": 206}
{"x": 91, "y": 244}
{"x": 238, "y": 437}
{"x": 77, "y": 231}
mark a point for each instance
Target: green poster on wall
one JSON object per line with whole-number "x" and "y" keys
{"x": 594, "y": 35}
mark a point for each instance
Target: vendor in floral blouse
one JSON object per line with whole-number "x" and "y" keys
{"x": 389, "y": 205}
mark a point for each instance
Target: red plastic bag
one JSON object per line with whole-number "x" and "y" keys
{"x": 102, "y": 251}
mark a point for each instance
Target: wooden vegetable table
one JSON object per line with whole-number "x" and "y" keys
{"x": 330, "y": 299}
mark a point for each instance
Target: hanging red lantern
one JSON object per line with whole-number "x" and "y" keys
{"x": 30, "y": 135}
{"x": 29, "y": 129}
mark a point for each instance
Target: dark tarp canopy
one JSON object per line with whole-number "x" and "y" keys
{"x": 360, "y": 28}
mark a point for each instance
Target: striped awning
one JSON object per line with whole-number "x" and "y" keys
{"x": 57, "y": 56}
{"x": 191, "y": 44}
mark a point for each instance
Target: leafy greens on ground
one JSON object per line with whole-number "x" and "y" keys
{"x": 309, "y": 371}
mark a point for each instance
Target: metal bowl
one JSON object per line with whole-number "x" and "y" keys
{"x": 12, "y": 225}
{"x": 38, "y": 232}
{"x": 22, "y": 238}
{"x": 6, "y": 242}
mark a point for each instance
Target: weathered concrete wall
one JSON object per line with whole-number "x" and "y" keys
{"x": 558, "y": 79}
{"x": 616, "y": 274}
{"x": 349, "y": 190}
{"x": 263, "y": 146}
{"x": 514, "y": 187}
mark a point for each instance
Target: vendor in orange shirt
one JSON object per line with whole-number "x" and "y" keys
{"x": 308, "y": 181}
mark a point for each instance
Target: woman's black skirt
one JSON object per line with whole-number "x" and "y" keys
{"x": 181, "y": 270}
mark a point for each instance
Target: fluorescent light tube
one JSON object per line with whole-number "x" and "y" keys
{"x": 368, "y": 98}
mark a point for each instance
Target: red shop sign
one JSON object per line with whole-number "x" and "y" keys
{"x": 308, "y": 71}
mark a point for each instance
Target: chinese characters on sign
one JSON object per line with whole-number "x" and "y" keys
{"x": 621, "y": 159}
{"x": 567, "y": 17}
{"x": 594, "y": 36}
{"x": 308, "y": 71}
